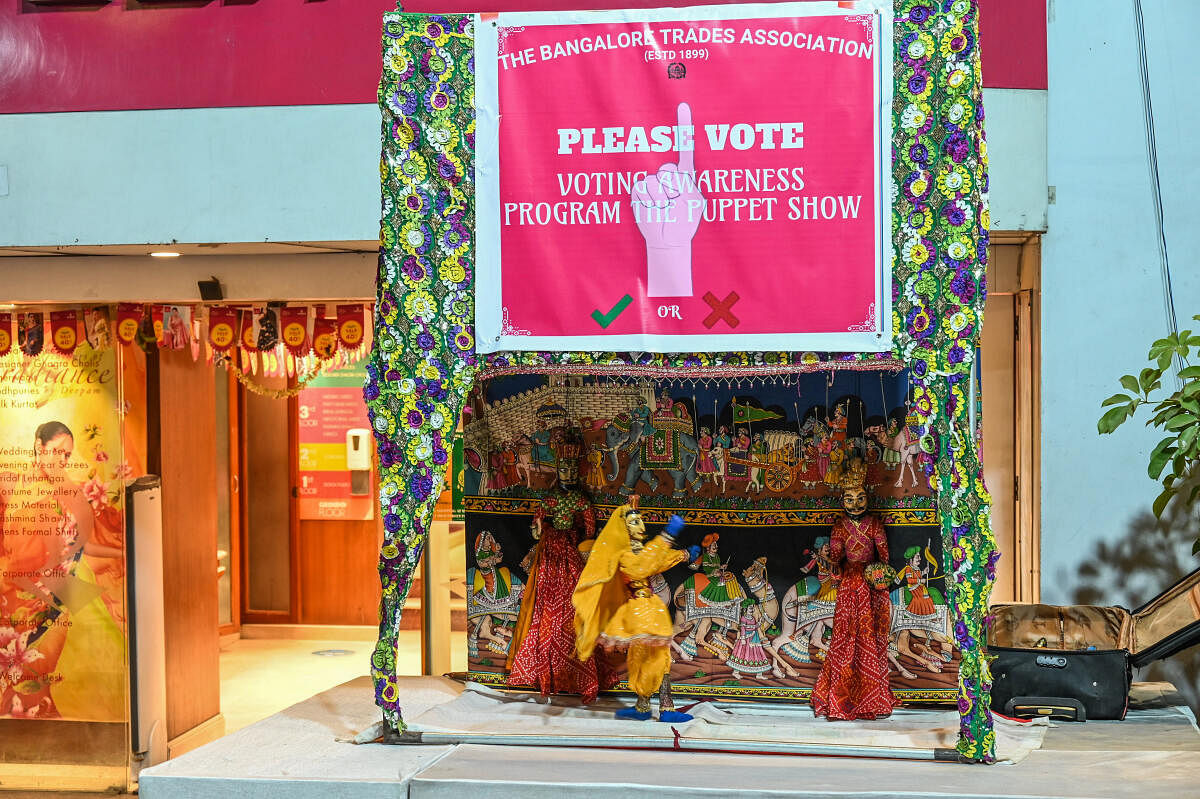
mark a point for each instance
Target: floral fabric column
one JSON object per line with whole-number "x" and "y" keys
{"x": 423, "y": 358}
{"x": 940, "y": 226}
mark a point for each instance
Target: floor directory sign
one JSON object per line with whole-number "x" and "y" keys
{"x": 696, "y": 179}
{"x": 329, "y": 407}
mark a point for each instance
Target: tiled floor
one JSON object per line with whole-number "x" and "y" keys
{"x": 260, "y": 677}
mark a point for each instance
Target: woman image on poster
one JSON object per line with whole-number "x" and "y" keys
{"x": 47, "y": 525}
{"x": 30, "y": 335}
{"x": 96, "y": 324}
{"x": 178, "y": 337}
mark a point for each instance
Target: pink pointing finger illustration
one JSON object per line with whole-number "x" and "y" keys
{"x": 687, "y": 142}
{"x": 668, "y": 207}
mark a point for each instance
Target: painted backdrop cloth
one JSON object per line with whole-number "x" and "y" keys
{"x": 853, "y": 683}
{"x": 544, "y": 652}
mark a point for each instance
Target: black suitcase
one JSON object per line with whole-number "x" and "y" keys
{"x": 1076, "y": 661}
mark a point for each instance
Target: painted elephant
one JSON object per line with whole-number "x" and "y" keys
{"x": 624, "y": 433}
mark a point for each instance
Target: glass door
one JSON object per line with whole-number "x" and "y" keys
{"x": 229, "y": 510}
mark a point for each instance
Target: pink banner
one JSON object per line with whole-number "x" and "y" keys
{"x": 711, "y": 184}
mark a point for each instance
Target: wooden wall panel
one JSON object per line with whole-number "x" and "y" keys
{"x": 338, "y": 572}
{"x": 267, "y": 559}
{"x": 997, "y": 349}
{"x": 187, "y": 460}
{"x": 339, "y": 582}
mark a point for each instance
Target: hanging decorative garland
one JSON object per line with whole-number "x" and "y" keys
{"x": 262, "y": 391}
{"x": 305, "y": 375}
{"x": 424, "y": 361}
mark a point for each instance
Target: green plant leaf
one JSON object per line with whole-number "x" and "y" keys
{"x": 1191, "y": 389}
{"x": 1160, "y": 504}
{"x": 1168, "y": 407}
{"x": 1159, "y": 457}
{"x": 1113, "y": 418}
{"x": 1130, "y": 384}
{"x": 1147, "y": 378}
{"x": 1181, "y": 420}
{"x": 1190, "y": 372}
{"x": 1124, "y": 399}
{"x": 1164, "y": 360}
{"x": 1187, "y": 441}
{"x": 1192, "y": 405}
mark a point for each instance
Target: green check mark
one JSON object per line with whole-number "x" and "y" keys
{"x": 604, "y": 320}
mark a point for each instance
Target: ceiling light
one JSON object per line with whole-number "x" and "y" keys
{"x": 164, "y": 254}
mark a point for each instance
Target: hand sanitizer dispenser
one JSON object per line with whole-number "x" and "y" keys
{"x": 358, "y": 460}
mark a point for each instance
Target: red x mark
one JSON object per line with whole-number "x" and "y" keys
{"x": 721, "y": 309}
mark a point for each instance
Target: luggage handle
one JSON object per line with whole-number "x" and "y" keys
{"x": 1053, "y": 707}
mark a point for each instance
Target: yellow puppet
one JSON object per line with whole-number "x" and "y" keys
{"x": 615, "y": 607}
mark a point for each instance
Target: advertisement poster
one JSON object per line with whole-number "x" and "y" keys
{"x": 62, "y": 538}
{"x": 331, "y": 405}
{"x": 717, "y": 181}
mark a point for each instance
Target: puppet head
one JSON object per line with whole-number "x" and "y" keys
{"x": 634, "y": 522}
{"x": 854, "y": 490}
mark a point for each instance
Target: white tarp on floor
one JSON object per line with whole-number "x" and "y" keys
{"x": 304, "y": 753}
{"x": 482, "y": 711}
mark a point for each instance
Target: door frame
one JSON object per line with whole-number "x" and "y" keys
{"x": 1027, "y": 410}
{"x": 292, "y": 614}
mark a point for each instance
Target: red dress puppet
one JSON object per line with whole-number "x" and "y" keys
{"x": 853, "y": 683}
{"x": 544, "y": 653}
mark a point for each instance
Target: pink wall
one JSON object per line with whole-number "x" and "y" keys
{"x": 1012, "y": 34}
{"x": 188, "y": 55}
{"x": 216, "y": 53}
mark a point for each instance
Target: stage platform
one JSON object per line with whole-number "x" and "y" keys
{"x": 305, "y": 751}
